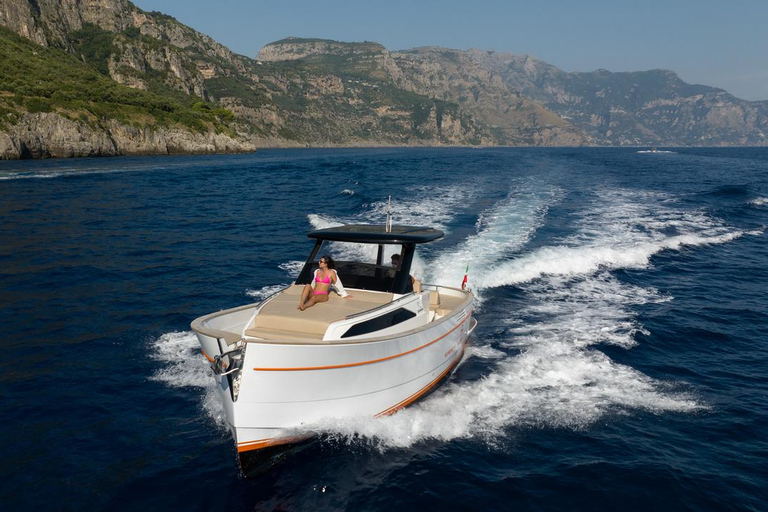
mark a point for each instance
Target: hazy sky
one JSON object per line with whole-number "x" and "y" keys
{"x": 718, "y": 43}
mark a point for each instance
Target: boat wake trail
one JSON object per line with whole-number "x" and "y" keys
{"x": 183, "y": 366}
{"x": 618, "y": 230}
{"x": 502, "y": 231}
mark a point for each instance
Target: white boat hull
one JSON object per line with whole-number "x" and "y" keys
{"x": 285, "y": 389}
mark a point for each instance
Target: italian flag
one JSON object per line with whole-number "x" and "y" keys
{"x": 464, "y": 281}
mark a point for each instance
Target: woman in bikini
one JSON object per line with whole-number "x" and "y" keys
{"x": 324, "y": 277}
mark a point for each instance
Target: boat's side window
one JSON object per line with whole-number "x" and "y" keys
{"x": 380, "y": 322}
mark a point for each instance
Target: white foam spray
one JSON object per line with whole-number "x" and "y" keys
{"x": 292, "y": 267}
{"x": 501, "y": 232}
{"x": 432, "y": 206}
{"x": 425, "y": 206}
{"x": 618, "y": 229}
{"x": 184, "y": 366}
{"x": 265, "y": 292}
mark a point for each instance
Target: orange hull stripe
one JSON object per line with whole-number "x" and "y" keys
{"x": 265, "y": 443}
{"x": 417, "y": 395}
{"x": 209, "y": 358}
{"x": 349, "y": 365}
{"x": 249, "y": 446}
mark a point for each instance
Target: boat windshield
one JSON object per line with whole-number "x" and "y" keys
{"x": 373, "y": 270}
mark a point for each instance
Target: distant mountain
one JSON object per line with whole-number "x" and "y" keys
{"x": 104, "y": 77}
{"x": 430, "y": 96}
{"x": 639, "y": 108}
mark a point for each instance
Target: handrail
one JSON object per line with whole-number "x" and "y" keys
{"x": 472, "y": 325}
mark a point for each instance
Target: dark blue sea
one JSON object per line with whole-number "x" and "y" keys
{"x": 620, "y": 362}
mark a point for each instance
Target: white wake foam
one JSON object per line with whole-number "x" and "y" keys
{"x": 618, "y": 229}
{"x": 551, "y": 384}
{"x": 19, "y": 174}
{"x": 501, "y": 232}
{"x": 292, "y": 267}
{"x": 426, "y": 206}
{"x": 25, "y": 176}
{"x": 759, "y": 201}
{"x": 546, "y": 374}
{"x": 583, "y": 311}
{"x": 265, "y": 292}
{"x": 184, "y": 366}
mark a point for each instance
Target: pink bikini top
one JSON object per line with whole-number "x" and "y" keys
{"x": 325, "y": 280}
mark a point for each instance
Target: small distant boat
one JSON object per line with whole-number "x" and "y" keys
{"x": 654, "y": 150}
{"x": 380, "y": 349}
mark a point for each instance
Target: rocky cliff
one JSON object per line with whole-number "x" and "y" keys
{"x": 329, "y": 92}
{"x": 144, "y": 51}
{"x": 140, "y": 43}
{"x": 511, "y": 118}
{"x": 468, "y": 104}
{"x": 48, "y": 135}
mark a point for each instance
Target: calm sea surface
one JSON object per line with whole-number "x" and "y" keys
{"x": 620, "y": 362}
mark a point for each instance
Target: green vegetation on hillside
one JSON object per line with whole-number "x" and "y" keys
{"x": 354, "y": 88}
{"x": 39, "y": 79}
{"x": 94, "y": 45}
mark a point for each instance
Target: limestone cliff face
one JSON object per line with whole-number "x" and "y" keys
{"x": 49, "y": 22}
{"x": 521, "y": 100}
{"x": 373, "y": 58}
{"x": 349, "y": 94}
{"x": 294, "y": 48}
{"x": 458, "y": 76}
{"x": 183, "y": 57}
{"x": 48, "y": 135}
{"x": 147, "y": 51}
{"x": 483, "y": 108}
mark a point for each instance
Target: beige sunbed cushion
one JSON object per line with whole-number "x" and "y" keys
{"x": 280, "y": 319}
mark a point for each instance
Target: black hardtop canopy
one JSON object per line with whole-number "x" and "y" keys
{"x": 377, "y": 234}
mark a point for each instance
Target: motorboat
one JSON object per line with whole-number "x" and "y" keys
{"x": 390, "y": 341}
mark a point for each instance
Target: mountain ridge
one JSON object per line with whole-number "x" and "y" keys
{"x": 320, "y": 92}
